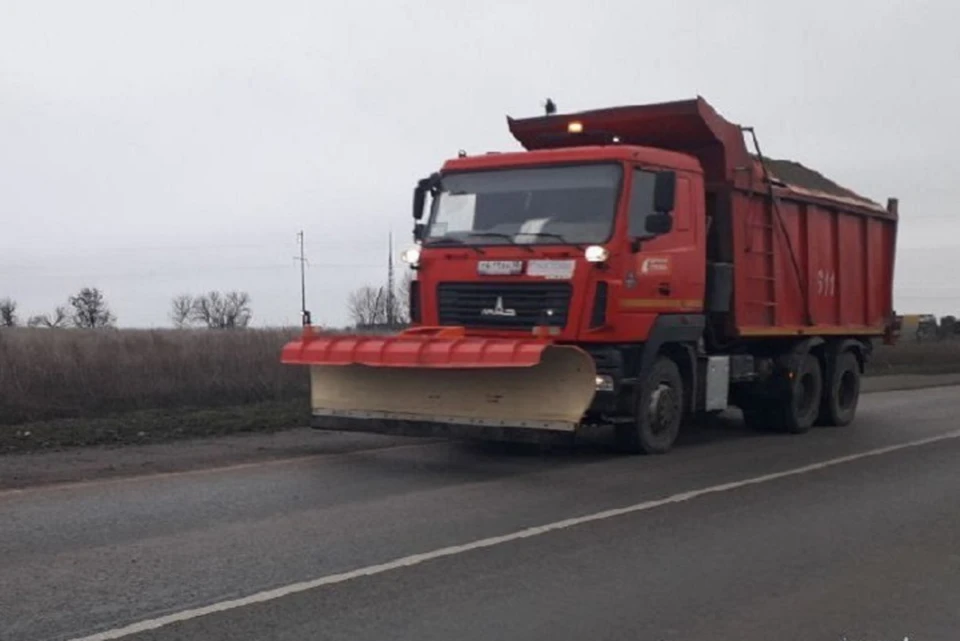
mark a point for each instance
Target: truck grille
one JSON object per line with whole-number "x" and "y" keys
{"x": 503, "y": 305}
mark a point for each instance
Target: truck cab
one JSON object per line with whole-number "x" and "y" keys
{"x": 589, "y": 244}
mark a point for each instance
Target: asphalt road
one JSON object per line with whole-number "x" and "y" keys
{"x": 849, "y": 533}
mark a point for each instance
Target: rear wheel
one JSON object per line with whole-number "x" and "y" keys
{"x": 658, "y": 411}
{"x": 792, "y": 410}
{"x": 841, "y": 393}
{"x": 799, "y": 409}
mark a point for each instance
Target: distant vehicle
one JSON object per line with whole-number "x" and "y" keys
{"x": 927, "y": 327}
{"x": 632, "y": 266}
{"x": 948, "y": 328}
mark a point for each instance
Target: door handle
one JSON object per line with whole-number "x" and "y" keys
{"x": 664, "y": 289}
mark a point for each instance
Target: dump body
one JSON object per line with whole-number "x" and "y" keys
{"x": 813, "y": 266}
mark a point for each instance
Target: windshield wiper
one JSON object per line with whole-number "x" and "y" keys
{"x": 547, "y": 234}
{"x": 497, "y": 234}
{"x": 449, "y": 240}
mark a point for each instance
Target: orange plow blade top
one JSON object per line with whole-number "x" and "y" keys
{"x": 445, "y": 349}
{"x": 443, "y": 377}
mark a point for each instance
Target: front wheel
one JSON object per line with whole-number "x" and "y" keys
{"x": 658, "y": 411}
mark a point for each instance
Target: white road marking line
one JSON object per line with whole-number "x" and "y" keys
{"x": 417, "y": 559}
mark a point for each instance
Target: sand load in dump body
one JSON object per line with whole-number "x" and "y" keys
{"x": 440, "y": 381}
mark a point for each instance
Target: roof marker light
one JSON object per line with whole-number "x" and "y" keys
{"x": 575, "y": 127}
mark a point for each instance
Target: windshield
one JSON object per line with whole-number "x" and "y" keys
{"x": 549, "y": 205}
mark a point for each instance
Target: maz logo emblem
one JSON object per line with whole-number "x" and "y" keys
{"x": 498, "y": 309}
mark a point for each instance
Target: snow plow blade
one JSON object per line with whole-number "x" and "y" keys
{"x": 441, "y": 382}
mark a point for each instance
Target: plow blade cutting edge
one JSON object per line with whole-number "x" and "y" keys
{"x": 420, "y": 383}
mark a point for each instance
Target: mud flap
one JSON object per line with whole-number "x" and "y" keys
{"x": 550, "y": 395}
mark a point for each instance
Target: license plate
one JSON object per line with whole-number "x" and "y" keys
{"x": 499, "y": 267}
{"x": 552, "y": 269}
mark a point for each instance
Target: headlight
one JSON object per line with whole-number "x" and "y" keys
{"x": 596, "y": 254}
{"x": 411, "y": 256}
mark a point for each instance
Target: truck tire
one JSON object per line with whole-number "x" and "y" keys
{"x": 841, "y": 393}
{"x": 658, "y": 411}
{"x": 798, "y": 411}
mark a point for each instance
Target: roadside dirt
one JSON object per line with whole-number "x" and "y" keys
{"x": 104, "y": 462}
{"x": 152, "y": 426}
{"x": 116, "y": 461}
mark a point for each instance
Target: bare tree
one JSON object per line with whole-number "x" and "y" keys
{"x": 367, "y": 306}
{"x": 403, "y": 298}
{"x": 8, "y": 313}
{"x": 208, "y": 309}
{"x": 90, "y": 309}
{"x": 59, "y": 318}
{"x": 181, "y": 310}
{"x": 222, "y": 311}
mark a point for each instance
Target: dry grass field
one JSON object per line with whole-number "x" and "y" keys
{"x": 911, "y": 357}
{"x": 49, "y": 373}
{"x": 72, "y": 387}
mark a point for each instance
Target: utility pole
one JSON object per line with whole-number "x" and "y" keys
{"x": 391, "y": 306}
{"x": 304, "y": 314}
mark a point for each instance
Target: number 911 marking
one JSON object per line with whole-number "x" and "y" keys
{"x": 826, "y": 283}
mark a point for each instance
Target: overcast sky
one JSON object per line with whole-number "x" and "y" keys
{"x": 154, "y": 148}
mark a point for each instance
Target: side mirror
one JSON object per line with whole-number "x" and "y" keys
{"x": 419, "y": 231}
{"x": 430, "y": 184}
{"x": 658, "y": 224}
{"x": 419, "y": 198}
{"x": 664, "y": 192}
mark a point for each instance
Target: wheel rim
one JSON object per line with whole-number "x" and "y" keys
{"x": 847, "y": 390}
{"x": 662, "y": 410}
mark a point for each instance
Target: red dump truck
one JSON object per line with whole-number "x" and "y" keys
{"x": 631, "y": 267}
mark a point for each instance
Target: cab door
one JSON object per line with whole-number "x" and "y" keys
{"x": 666, "y": 273}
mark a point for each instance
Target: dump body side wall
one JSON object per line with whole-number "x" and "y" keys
{"x": 810, "y": 267}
